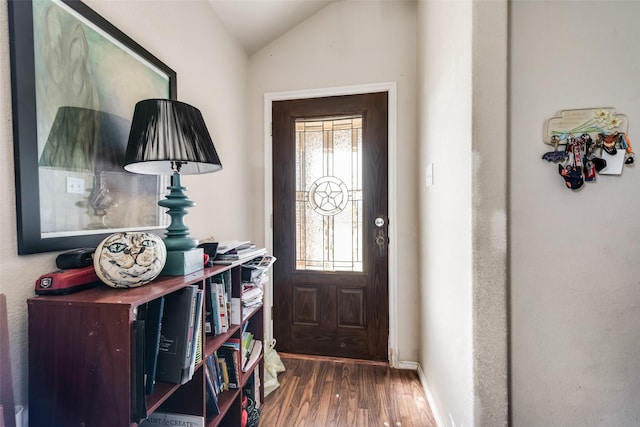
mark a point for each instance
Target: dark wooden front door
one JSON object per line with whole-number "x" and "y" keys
{"x": 330, "y": 223}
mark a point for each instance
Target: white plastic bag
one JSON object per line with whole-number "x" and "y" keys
{"x": 272, "y": 367}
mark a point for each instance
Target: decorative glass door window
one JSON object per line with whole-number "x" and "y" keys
{"x": 329, "y": 194}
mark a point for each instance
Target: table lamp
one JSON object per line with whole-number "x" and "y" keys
{"x": 170, "y": 137}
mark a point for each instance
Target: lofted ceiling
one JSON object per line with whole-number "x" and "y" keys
{"x": 255, "y": 23}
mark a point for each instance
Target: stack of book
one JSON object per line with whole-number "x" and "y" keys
{"x": 215, "y": 383}
{"x": 251, "y": 295}
{"x": 168, "y": 341}
{"x": 179, "y": 346}
{"x": 221, "y": 309}
{"x": 236, "y": 250}
{"x": 254, "y": 278}
{"x": 250, "y": 348}
{"x": 223, "y": 369}
{"x": 222, "y": 372}
{"x": 251, "y": 354}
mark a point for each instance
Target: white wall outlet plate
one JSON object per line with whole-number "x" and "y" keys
{"x": 75, "y": 185}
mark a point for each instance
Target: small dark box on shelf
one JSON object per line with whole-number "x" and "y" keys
{"x": 77, "y": 258}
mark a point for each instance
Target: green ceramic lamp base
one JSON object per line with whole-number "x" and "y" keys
{"x": 177, "y": 235}
{"x": 183, "y": 256}
{"x": 181, "y": 263}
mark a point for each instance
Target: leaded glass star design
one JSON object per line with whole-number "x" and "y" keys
{"x": 328, "y": 195}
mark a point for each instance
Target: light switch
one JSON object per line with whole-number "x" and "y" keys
{"x": 428, "y": 175}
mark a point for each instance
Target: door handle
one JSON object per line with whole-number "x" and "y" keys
{"x": 380, "y": 238}
{"x": 381, "y": 242}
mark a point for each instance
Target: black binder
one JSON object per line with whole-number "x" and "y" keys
{"x": 152, "y": 315}
{"x": 175, "y": 334}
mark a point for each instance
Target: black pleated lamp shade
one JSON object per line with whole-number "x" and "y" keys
{"x": 166, "y": 131}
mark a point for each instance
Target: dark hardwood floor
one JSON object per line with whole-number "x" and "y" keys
{"x": 325, "y": 392}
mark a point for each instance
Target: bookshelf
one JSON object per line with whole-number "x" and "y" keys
{"x": 82, "y": 357}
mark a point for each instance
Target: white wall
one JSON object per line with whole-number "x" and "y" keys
{"x": 212, "y": 72}
{"x": 489, "y": 217}
{"x": 575, "y": 275}
{"x": 572, "y": 260}
{"x": 445, "y": 208}
{"x": 353, "y": 43}
{"x": 463, "y": 235}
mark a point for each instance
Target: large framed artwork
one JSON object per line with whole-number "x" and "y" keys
{"x": 75, "y": 82}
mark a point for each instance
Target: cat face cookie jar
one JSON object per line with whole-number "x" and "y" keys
{"x": 129, "y": 260}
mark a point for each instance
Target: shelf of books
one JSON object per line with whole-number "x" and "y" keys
{"x": 151, "y": 351}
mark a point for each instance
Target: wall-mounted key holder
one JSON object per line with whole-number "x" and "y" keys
{"x": 586, "y": 120}
{"x": 588, "y": 142}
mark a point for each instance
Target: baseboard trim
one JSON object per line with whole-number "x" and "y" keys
{"x": 427, "y": 392}
{"x": 399, "y": 364}
{"x": 330, "y": 359}
{"x": 404, "y": 364}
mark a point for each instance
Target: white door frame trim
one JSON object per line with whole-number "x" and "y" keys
{"x": 391, "y": 88}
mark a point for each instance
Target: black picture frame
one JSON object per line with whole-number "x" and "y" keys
{"x": 25, "y": 119}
